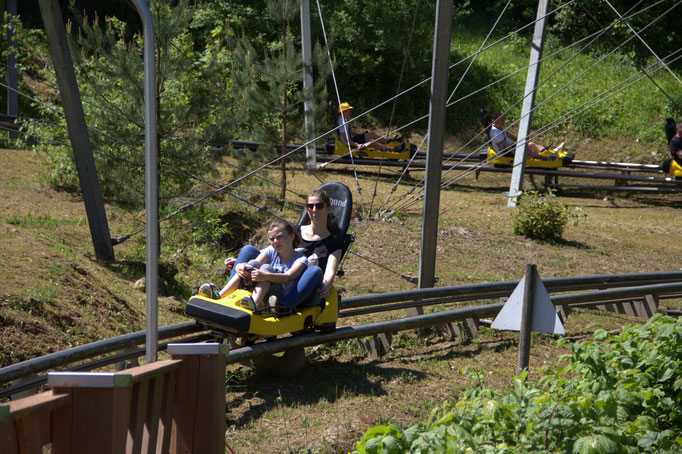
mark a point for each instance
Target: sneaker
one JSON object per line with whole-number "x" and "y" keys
{"x": 247, "y": 303}
{"x": 206, "y": 290}
{"x": 272, "y": 301}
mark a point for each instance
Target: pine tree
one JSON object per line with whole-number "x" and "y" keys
{"x": 193, "y": 104}
{"x": 271, "y": 85}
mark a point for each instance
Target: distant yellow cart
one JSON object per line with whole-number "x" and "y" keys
{"x": 341, "y": 149}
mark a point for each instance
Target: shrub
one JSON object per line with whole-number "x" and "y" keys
{"x": 540, "y": 216}
{"x": 619, "y": 393}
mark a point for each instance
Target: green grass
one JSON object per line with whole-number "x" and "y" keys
{"x": 637, "y": 112}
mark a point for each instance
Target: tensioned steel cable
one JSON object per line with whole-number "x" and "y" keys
{"x": 577, "y": 110}
{"x": 346, "y": 129}
{"x": 642, "y": 41}
{"x": 381, "y": 104}
{"x": 632, "y": 59}
{"x": 595, "y": 36}
{"x": 567, "y": 116}
{"x": 395, "y": 102}
{"x": 555, "y": 123}
{"x": 581, "y": 74}
{"x": 105, "y": 134}
{"x": 580, "y": 109}
{"x": 451, "y": 95}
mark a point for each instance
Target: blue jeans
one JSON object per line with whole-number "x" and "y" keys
{"x": 307, "y": 284}
{"x": 247, "y": 253}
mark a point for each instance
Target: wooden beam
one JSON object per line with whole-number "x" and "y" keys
{"x": 78, "y": 130}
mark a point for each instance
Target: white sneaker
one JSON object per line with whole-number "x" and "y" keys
{"x": 272, "y": 301}
{"x": 247, "y": 303}
{"x": 206, "y": 290}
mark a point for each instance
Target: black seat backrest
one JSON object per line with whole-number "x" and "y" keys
{"x": 670, "y": 128}
{"x": 342, "y": 207}
{"x": 486, "y": 120}
{"x": 341, "y": 212}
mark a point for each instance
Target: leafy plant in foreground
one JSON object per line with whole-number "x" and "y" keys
{"x": 619, "y": 393}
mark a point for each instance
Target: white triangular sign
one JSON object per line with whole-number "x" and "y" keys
{"x": 545, "y": 317}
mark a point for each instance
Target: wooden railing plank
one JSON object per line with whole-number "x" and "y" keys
{"x": 166, "y": 422}
{"x": 26, "y": 406}
{"x": 199, "y": 415}
{"x": 148, "y": 371}
{"x": 151, "y": 421}
{"x": 100, "y": 418}
{"x": 33, "y": 432}
{"x": 138, "y": 409}
{"x": 8, "y": 438}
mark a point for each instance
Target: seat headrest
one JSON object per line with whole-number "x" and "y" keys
{"x": 670, "y": 128}
{"x": 342, "y": 206}
{"x": 486, "y": 120}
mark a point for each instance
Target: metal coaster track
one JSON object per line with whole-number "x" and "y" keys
{"x": 649, "y": 183}
{"x": 605, "y": 289}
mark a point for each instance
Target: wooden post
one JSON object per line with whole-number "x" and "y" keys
{"x": 526, "y": 318}
{"x": 199, "y": 414}
{"x": 78, "y": 130}
{"x": 100, "y": 411}
{"x": 528, "y": 103}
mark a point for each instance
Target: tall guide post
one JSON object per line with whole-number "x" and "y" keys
{"x": 307, "y": 51}
{"x": 151, "y": 196}
{"x": 516, "y": 183}
{"x": 439, "y": 92}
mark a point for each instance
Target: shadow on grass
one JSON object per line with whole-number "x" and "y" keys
{"x": 327, "y": 380}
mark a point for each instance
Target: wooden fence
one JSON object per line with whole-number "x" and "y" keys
{"x": 172, "y": 406}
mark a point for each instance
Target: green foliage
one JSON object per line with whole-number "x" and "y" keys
{"x": 269, "y": 86}
{"x": 657, "y": 27}
{"x": 194, "y": 104}
{"x": 619, "y": 393}
{"x": 541, "y": 216}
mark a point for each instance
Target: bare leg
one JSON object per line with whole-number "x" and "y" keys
{"x": 259, "y": 292}
{"x": 377, "y": 142}
{"x": 535, "y": 148}
{"x": 231, "y": 286}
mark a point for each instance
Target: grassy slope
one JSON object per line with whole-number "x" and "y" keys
{"x": 53, "y": 295}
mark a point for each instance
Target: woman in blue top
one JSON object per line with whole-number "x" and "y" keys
{"x": 274, "y": 271}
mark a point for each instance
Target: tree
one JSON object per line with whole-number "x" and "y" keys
{"x": 194, "y": 103}
{"x": 271, "y": 86}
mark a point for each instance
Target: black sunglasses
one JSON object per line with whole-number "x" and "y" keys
{"x": 318, "y": 205}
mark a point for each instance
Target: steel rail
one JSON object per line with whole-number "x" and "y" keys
{"x": 494, "y": 289}
{"x": 657, "y": 184}
{"x": 365, "y": 304}
{"x": 436, "y": 318}
{"x": 134, "y": 353}
{"x": 87, "y": 351}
